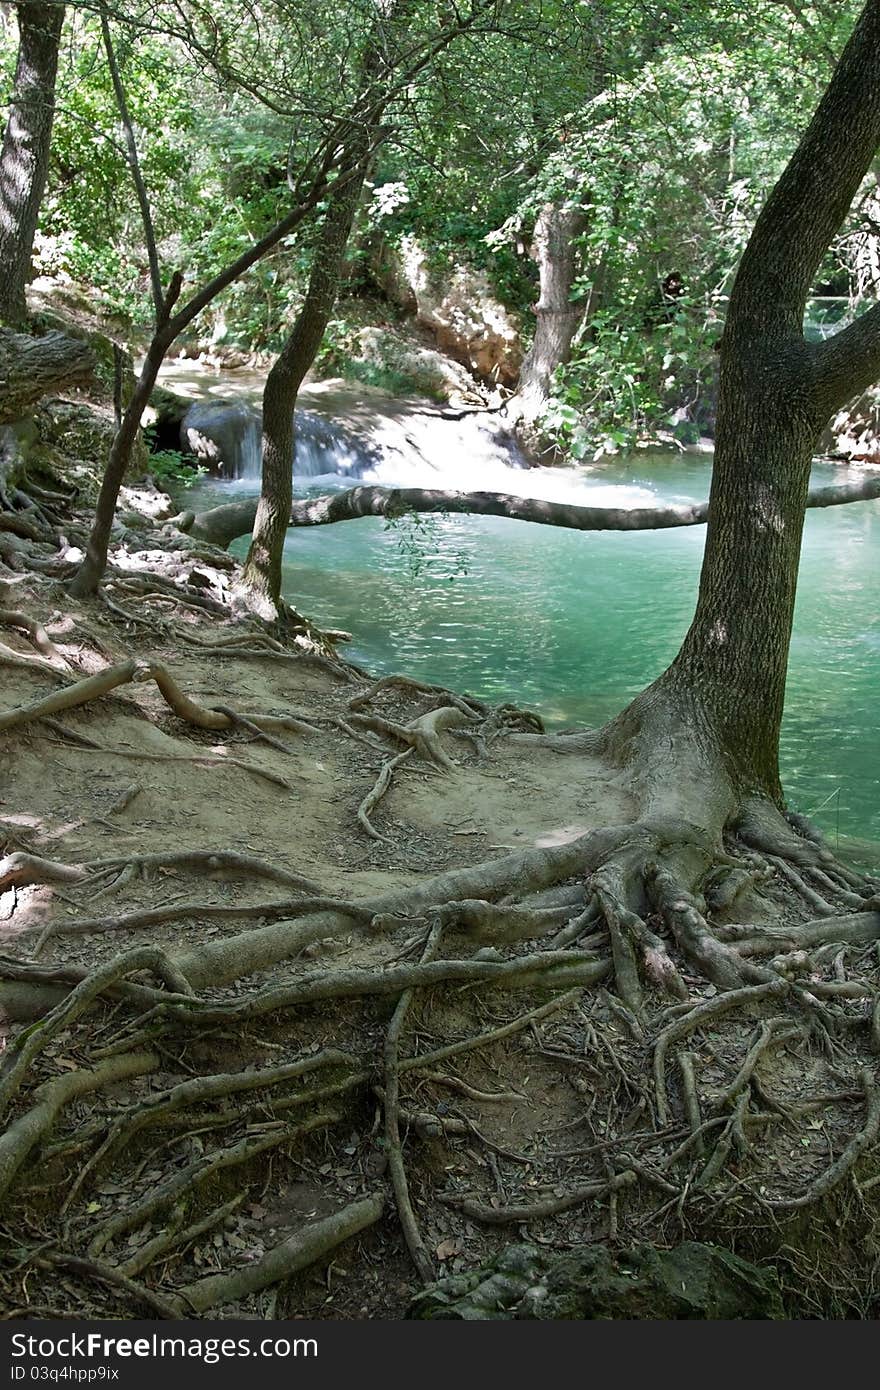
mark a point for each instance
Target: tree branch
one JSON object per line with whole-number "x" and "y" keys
{"x": 815, "y": 191}
{"x": 848, "y": 362}
{"x": 134, "y": 165}
{"x": 221, "y": 525}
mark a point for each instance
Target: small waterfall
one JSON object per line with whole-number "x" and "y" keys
{"x": 399, "y": 446}
{"x": 226, "y": 436}
{"x": 322, "y": 447}
{"x": 247, "y": 460}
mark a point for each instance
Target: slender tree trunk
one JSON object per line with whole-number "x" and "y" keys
{"x": 725, "y": 690}
{"x": 262, "y": 572}
{"x": 24, "y": 158}
{"x": 88, "y": 576}
{"x": 558, "y": 318}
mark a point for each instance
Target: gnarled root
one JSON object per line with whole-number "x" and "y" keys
{"x": 680, "y": 1082}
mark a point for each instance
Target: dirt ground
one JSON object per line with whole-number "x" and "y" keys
{"x": 525, "y": 1137}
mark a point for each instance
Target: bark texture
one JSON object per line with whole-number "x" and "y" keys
{"x": 222, "y": 525}
{"x": 262, "y": 572}
{"x": 558, "y": 226}
{"x": 88, "y": 576}
{"x": 24, "y": 158}
{"x": 31, "y": 368}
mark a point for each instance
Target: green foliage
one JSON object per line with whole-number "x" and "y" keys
{"x": 671, "y": 168}
{"x": 339, "y": 355}
{"x": 417, "y": 537}
{"x": 168, "y": 466}
{"x": 665, "y": 123}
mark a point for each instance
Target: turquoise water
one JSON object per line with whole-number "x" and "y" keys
{"x": 575, "y": 624}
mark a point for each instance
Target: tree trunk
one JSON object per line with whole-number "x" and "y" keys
{"x": 88, "y": 576}
{"x": 34, "y": 367}
{"x": 558, "y": 318}
{"x": 724, "y": 692}
{"x": 261, "y": 580}
{"x": 735, "y": 655}
{"x": 24, "y": 159}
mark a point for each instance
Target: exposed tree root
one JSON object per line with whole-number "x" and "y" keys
{"x": 672, "y": 1039}
{"x": 465, "y": 703}
{"x": 409, "y": 1225}
{"x": 377, "y": 791}
{"x": 298, "y": 1252}
{"x": 422, "y": 734}
{"x": 694, "y": 1018}
{"x": 859, "y": 1143}
{"x": 49, "y": 1099}
{"x": 142, "y": 1299}
{"x": 176, "y": 1239}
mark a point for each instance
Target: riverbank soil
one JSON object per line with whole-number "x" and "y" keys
{"x": 338, "y": 991}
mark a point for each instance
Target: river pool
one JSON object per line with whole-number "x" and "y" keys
{"x": 573, "y": 624}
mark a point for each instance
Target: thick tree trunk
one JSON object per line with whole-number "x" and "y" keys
{"x": 24, "y": 159}
{"x": 554, "y": 248}
{"x": 31, "y": 368}
{"x": 735, "y": 655}
{"x": 262, "y": 572}
{"x": 724, "y": 692}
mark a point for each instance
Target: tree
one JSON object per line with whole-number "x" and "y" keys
{"x": 262, "y": 571}
{"x": 333, "y": 168}
{"x": 701, "y": 744}
{"x": 261, "y": 579}
{"x": 24, "y": 158}
{"x": 558, "y": 226}
{"x": 726, "y": 687}
{"x": 673, "y": 159}
{"x": 696, "y": 756}
{"x": 394, "y": 53}
{"x": 325, "y": 165}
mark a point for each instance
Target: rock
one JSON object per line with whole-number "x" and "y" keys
{"x": 692, "y": 1281}
{"x": 147, "y": 503}
{"x": 427, "y": 370}
{"x": 78, "y": 431}
{"x": 458, "y": 306}
{"x": 224, "y": 436}
{"x": 164, "y": 415}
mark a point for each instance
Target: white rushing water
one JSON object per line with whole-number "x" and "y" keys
{"x": 345, "y": 434}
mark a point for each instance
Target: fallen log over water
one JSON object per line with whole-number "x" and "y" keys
{"x": 222, "y": 525}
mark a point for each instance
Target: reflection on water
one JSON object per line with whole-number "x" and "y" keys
{"x": 573, "y": 624}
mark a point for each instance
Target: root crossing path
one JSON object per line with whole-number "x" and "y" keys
{"x": 317, "y": 988}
